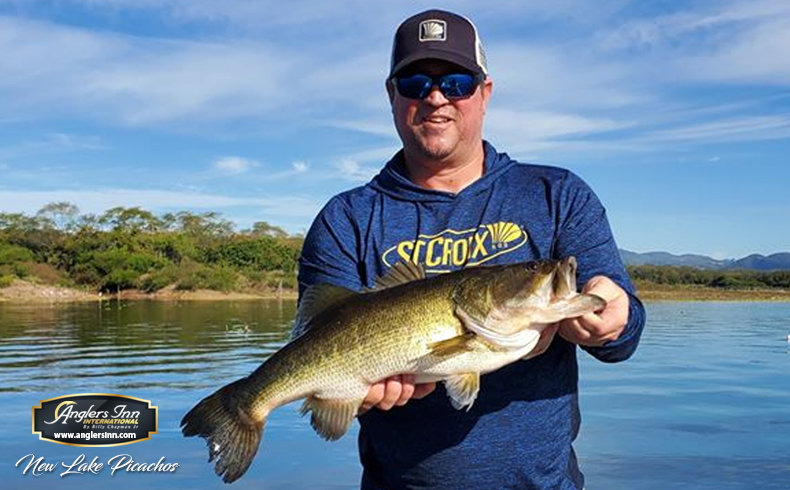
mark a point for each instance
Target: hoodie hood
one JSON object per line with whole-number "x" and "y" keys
{"x": 392, "y": 179}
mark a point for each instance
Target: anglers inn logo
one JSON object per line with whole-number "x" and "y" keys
{"x": 433, "y": 30}
{"x": 95, "y": 419}
{"x": 452, "y": 248}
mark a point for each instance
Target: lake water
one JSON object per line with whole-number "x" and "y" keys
{"x": 704, "y": 403}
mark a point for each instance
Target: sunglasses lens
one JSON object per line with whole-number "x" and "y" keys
{"x": 452, "y": 86}
{"x": 415, "y": 86}
{"x": 458, "y": 85}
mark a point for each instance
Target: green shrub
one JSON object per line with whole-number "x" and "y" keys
{"x": 264, "y": 253}
{"x": 143, "y": 262}
{"x": 120, "y": 279}
{"x": 21, "y": 270}
{"x": 159, "y": 279}
{"x": 86, "y": 274}
{"x": 261, "y": 279}
{"x": 6, "y": 280}
{"x": 11, "y": 254}
{"x": 221, "y": 278}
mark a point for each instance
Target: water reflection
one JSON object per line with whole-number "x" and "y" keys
{"x": 127, "y": 345}
{"x": 703, "y": 404}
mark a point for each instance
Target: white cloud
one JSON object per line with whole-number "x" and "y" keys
{"x": 293, "y": 170}
{"x": 349, "y": 14}
{"x": 543, "y": 130}
{"x": 752, "y": 128}
{"x": 98, "y": 201}
{"x": 545, "y": 124}
{"x": 736, "y": 42}
{"x": 49, "y": 69}
{"x": 531, "y": 76}
{"x": 352, "y": 171}
{"x": 234, "y": 165}
{"x": 53, "y": 143}
{"x": 377, "y": 156}
{"x": 379, "y": 126}
{"x": 694, "y": 26}
{"x": 757, "y": 55}
{"x": 546, "y": 89}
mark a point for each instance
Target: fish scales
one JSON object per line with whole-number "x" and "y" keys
{"x": 451, "y": 327}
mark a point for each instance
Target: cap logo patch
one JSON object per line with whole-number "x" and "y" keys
{"x": 433, "y": 30}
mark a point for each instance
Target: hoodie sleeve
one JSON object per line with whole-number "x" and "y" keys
{"x": 583, "y": 231}
{"x": 329, "y": 254}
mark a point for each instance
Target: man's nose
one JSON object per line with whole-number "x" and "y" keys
{"x": 435, "y": 96}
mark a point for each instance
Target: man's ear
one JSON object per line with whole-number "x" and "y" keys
{"x": 487, "y": 90}
{"x": 390, "y": 89}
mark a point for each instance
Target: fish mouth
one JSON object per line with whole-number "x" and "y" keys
{"x": 564, "y": 283}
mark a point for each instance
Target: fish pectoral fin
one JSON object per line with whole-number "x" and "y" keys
{"x": 462, "y": 389}
{"x": 330, "y": 417}
{"x": 454, "y": 345}
{"x": 579, "y": 305}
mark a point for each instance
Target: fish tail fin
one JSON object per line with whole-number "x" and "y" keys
{"x": 231, "y": 434}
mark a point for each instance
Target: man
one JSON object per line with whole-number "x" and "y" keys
{"x": 448, "y": 200}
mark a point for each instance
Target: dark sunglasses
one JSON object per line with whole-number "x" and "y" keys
{"x": 452, "y": 85}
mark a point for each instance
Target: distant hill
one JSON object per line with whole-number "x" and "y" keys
{"x": 777, "y": 261}
{"x": 665, "y": 258}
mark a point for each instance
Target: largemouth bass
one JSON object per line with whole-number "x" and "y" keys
{"x": 451, "y": 327}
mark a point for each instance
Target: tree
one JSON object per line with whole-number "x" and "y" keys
{"x": 208, "y": 224}
{"x": 62, "y": 215}
{"x": 262, "y": 228}
{"x": 131, "y": 220}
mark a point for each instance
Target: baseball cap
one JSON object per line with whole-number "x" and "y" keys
{"x": 438, "y": 34}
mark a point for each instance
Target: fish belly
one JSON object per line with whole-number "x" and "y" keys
{"x": 478, "y": 361}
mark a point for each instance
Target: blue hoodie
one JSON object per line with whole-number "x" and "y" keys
{"x": 520, "y": 430}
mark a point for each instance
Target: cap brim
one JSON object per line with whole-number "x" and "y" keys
{"x": 438, "y": 54}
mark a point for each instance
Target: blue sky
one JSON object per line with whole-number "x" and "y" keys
{"x": 676, "y": 113}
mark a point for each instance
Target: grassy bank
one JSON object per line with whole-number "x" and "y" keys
{"x": 28, "y": 292}
{"x": 21, "y": 291}
{"x": 650, "y": 292}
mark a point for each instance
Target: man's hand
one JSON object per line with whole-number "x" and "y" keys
{"x": 395, "y": 391}
{"x": 595, "y": 329}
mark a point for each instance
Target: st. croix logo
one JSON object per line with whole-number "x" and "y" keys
{"x": 95, "y": 419}
{"x": 448, "y": 248}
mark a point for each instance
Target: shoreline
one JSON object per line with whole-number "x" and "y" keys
{"x": 26, "y": 292}
{"x": 659, "y": 294}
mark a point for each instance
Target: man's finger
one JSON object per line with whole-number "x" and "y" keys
{"x": 592, "y": 323}
{"x": 392, "y": 392}
{"x": 407, "y": 389}
{"x": 375, "y": 395}
{"x": 422, "y": 390}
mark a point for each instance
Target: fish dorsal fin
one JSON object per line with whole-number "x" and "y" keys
{"x": 462, "y": 389}
{"x": 316, "y": 299}
{"x": 330, "y": 418}
{"x": 400, "y": 273}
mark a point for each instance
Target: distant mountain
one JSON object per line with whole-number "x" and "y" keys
{"x": 777, "y": 261}
{"x": 665, "y": 258}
